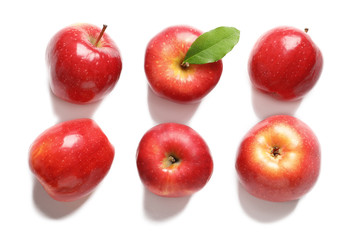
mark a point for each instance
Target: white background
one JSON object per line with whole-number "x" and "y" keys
{"x": 121, "y": 208}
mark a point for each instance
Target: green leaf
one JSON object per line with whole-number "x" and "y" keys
{"x": 212, "y": 46}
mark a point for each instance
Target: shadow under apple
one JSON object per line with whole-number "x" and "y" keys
{"x": 264, "y": 211}
{"x": 265, "y": 105}
{"x": 163, "y": 110}
{"x": 52, "y": 208}
{"x": 67, "y": 111}
{"x": 160, "y": 208}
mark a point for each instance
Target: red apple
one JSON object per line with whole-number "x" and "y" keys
{"x": 279, "y": 159}
{"x": 173, "y": 160}
{"x": 71, "y": 158}
{"x": 171, "y": 79}
{"x": 285, "y": 63}
{"x": 84, "y": 64}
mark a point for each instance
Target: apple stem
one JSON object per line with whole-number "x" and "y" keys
{"x": 100, "y": 36}
{"x": 306, "y": 30}
{"x": 185, "y": 65}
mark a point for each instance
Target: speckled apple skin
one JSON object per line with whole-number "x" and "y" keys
{"x": 71, "y": 158}
{"x": 80, "y": 72}
{"x": 292, "y": 173}
{"x": 285, "y": 63}
{"x": 164, "y": 55}
{"x": 184, "y": 178}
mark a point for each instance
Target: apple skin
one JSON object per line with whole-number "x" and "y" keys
{"x": 71, "y": 158}
{"x": 167, "y": 178}
{"x": 285, "y": 63}
{"x": 279, "y": 159}
{"x": 80, "y": 72}
{"x": 167, "y": 78}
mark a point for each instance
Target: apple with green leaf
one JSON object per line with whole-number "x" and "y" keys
{"x": 279, "y": 159}
{"x": 184, "y": 65}
{"x": 84, "y": 63}
{"x": 173, "y": 160}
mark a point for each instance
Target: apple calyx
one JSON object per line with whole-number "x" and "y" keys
{"x": 96, "y": 44}
{"x": 275, "y": 152}
{"x": 171, "y": 161}
{"x": 306, "y": 30}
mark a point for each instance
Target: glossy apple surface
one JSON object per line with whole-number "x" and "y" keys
{"x": 165, "y": 73}
{"x": 71, "y": 158}
{"x": 81, "y": 72}
{"x": 279, "y": 159}
{"x": 173, "y": 160}
{"x": 285, "y": 63}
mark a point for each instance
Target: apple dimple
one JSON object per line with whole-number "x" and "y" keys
{"x": 275, "y": 144}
